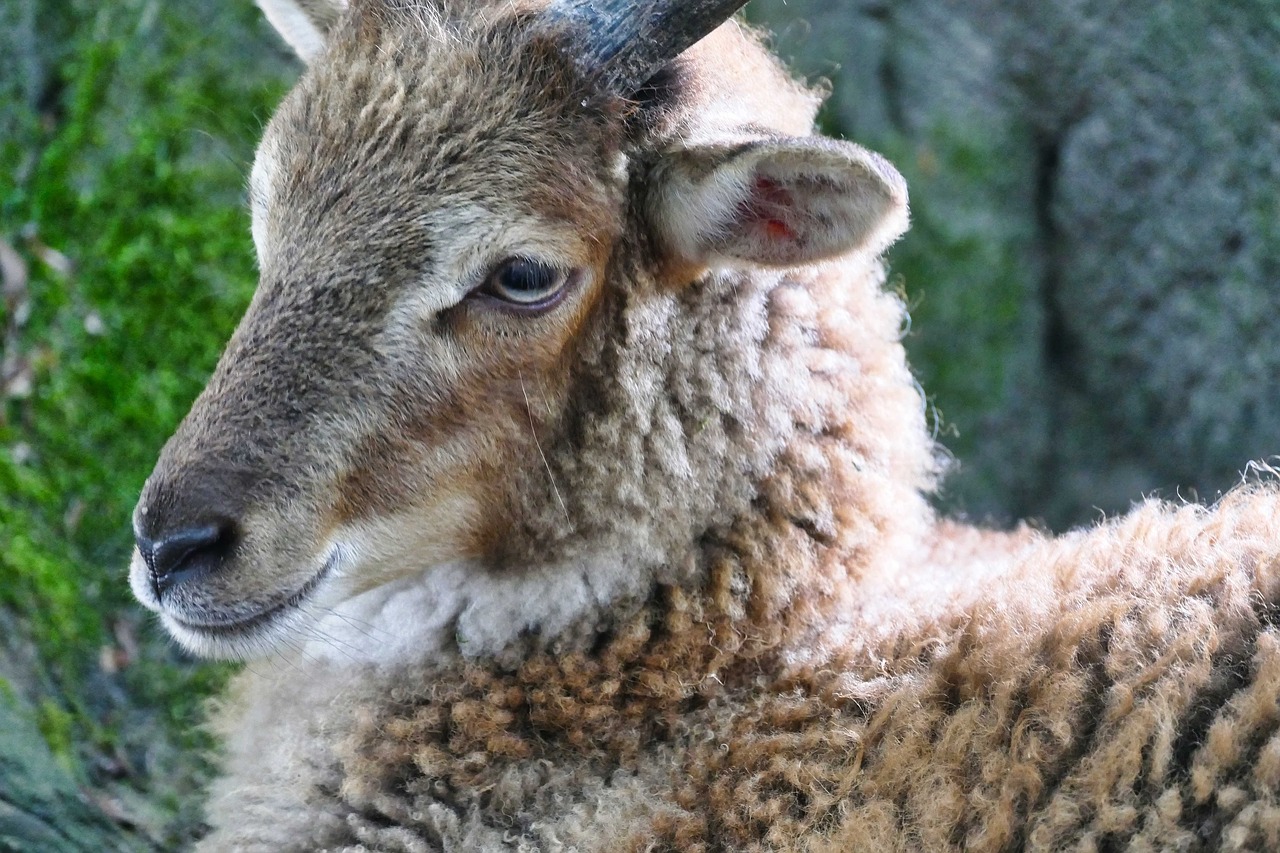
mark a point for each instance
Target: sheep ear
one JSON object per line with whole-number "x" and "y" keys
{"x": 775, "y": 202}
{"x": 304, "y": 24}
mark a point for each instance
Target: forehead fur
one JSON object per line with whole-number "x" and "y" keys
{"x": 410, "y": 102}
{"x": 446, "y": 76}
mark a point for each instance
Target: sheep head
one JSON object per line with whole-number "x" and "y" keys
{"x": 508, "y": 323}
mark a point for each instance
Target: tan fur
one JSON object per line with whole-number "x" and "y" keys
{"x": 654, "y": 569}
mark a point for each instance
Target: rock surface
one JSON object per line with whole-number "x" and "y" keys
{"x": 1096, "y": 249}
{"x": 41, "y": 808}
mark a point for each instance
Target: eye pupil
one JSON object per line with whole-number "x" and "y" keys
{"x": 526, "y": 277}
{"x": 525, "y": 282}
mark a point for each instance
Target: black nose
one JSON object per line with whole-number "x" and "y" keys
{"x": 185, "y": 554}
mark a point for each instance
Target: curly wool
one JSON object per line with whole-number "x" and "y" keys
{"x": 1117, "y": 687}
{"x": 842, "y": 673}
{"x": 840, "y": 511}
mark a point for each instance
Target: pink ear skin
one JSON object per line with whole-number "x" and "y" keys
{"x": 775, "y": 202}
{"x": 768, "y": 208}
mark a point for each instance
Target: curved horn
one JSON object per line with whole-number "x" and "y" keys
{"x": 624, "y": 42}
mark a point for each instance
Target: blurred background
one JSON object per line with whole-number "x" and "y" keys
{"x": 1093, "y": 274}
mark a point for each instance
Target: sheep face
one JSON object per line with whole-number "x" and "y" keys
{"x": 480, "y": 276}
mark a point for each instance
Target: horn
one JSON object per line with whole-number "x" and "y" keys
{"x": 622, "y": 43}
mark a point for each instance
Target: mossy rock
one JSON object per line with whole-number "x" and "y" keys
{"x": 41, "y": 806}
{"x": 126, "y": 262}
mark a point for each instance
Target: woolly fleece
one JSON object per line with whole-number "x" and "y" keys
{"x": 801, "y": 657}
{"x": 1114, "y": 688}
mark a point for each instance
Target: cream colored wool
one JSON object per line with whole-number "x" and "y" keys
{"x": 764, "y": 640}
{"x": 1114, "y": 689}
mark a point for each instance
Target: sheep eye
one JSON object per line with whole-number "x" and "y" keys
{"x": 526, "y": 283}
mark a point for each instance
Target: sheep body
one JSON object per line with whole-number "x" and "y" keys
{"x": 906, "y": 683}
{"x": 1114, "y": 686}
{"x": 741, "y": 627}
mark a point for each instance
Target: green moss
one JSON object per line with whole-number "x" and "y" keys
{"x": 969, "y": 268}
{"x": 57, "y": 726}
{"x": 136, "y": 179}
{"x": 968, "y": 294}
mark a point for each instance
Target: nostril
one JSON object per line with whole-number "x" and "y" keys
{"x": 184, "y": 553}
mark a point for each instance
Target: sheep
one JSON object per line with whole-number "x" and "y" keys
{"x": 567, "y": 483}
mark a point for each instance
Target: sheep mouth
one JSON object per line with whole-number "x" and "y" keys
{"x": 256, "y": 625}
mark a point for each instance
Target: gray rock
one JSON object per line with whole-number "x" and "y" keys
{"x": 23, "y": 76}
{"x": 41, "y": 807}
{"x": 1097, "y": 240}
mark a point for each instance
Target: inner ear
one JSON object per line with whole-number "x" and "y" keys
{"x": 303, "y": 24}
{"x": 775, "y": 202}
